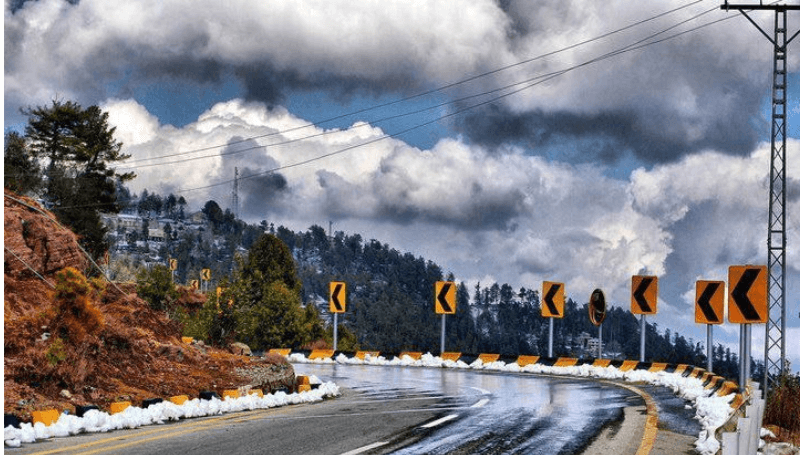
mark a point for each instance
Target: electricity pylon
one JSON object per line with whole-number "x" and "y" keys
{"x": 775, "y": 345}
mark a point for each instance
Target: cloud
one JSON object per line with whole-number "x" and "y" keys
{"x": 700, "y": 91}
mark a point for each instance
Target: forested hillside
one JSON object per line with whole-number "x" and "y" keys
{"x": 390, "y": 293}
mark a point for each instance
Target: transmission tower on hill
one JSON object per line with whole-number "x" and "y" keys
{"x": 775, "y": 346}
{"x": 235, "y": 194}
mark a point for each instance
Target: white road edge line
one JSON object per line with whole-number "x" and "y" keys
{"x": 440, "y": 421}
{"x": 366, "y": 448}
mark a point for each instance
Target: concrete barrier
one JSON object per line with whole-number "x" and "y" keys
{"x": 230, "y": 393}
{"x": 47, "y": 417}
{"x": 118, "y": 406}
{"x": 489, "y": 358}
{"x": 363, "y": 354}
{"x": 452, "y": 356}
{"x": 565, "y": 362}
{"x": 179, "y": 399}
{"x": 413, "y": 355}
{"x": 524, "y": 360}
{"x": 281, "y": 351}
{"x": 321, "y": 354}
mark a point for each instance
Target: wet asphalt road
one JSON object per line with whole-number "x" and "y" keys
{"x": 400, "y": 410}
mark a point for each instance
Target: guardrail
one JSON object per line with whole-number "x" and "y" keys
{"x": 746, "y": 439}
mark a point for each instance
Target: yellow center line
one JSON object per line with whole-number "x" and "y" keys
{"x": 185, "y": 427}
{"x": 651, "y": 423}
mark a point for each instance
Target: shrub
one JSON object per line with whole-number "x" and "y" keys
{"x": 783, "y": 403}
{"x": 155, "y": 286}
{"x": 76, "y": 316}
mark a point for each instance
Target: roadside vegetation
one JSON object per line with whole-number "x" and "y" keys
{"x": 782, "y": 412}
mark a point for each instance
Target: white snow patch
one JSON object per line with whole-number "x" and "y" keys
{"x": 711, "y": 410}
{"x": 95, "y": 421}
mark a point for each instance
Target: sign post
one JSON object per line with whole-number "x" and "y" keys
{"x": 205, "y": 277}
{"x": 445, "y": 303}
{"x": 553, "y": 307}
{"x": 173, "y": 266}
{"x": 709, "y": 310}
{"x": 747, "y": 304}
{"x": 337, "y": 304}
{"x": 597, "y": 313}
{"x": 644, "y": 301}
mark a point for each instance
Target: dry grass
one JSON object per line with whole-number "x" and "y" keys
{"x": 782, "y": 414}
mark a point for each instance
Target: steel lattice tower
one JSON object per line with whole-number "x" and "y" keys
{"x": 775, "y": 342}
{"x": 235, "y": 194}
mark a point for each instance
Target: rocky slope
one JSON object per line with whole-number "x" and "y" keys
{"x": 72, "y": 341}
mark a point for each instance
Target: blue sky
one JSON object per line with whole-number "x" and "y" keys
{"x": 648, "y": 154}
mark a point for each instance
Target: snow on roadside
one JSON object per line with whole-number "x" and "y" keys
{"x": 711, "y": 411}
{"x": 95, "y": 421}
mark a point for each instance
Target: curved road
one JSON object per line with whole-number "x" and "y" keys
{"x": 403, "y": 410}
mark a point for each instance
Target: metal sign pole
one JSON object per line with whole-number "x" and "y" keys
{"x": 550, "y": 340}
{"x": 335, "y": 331}
{"x": 747, "y": 347}
{"x": 742, "y": 381}
{"x": 444, "y": 320}
{"x": 709, "y": 346}
{"x": 641, "y": 347}
{"x": 600, "y": 344}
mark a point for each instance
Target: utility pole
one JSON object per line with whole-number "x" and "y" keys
{"x": 775, "y": 346}
{"x": 235, "y": 193}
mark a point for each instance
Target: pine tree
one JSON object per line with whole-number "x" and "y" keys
{"x": 77, "y": 147}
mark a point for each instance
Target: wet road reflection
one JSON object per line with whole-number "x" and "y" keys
{"x": 488, "y": 412}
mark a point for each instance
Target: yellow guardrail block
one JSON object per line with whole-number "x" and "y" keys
{"x": 321, "y": 354}
{"x": 179, "y": 399}
{"x": 363, "y": 354}
{"x": 118, "y": 406}
{"x": 565, "y": 362}
{"x": 524, "y": 360}
{"x": 413, "y": 355}
{"x": 187, "y": 340}
{"x": 258, "y": 392}
{"x": 47, "y": 417}
{"x": 281, "y": 351}
{"x": 727, "y": 388}
{"x": 230, "y": 393}
{"x": 302, "y": 380}
{"x": 303, "y": 388}
{"x": 452, "y": 356}
{"x": 628, "y": 365}
{"x": 656, "y": 367}
{"x": 603, "y": 363}
{"x": 681, "y": 368}
{"x": 489, "y": 358}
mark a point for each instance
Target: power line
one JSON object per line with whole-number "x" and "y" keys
{"x": 409, "y": 98}
{"x": 530, "y": 83}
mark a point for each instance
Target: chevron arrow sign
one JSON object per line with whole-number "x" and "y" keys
{"x": 445, "y": 302}
{"x": 709, "y": 302}
{"x": 337, "y": 302}
{"x": 553, "y": 301}
{"x": 747, "y": 294}
{"x": 644, "y": 294}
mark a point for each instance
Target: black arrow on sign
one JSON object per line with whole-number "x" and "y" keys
{"x": 705, "y": 302}
{"x": 740, "y": 297}
{"x": 442, "y": 297}
{"x": 639, "y": 295}
{"x": 548, "y": 299}
{"x": 335, "y": 297}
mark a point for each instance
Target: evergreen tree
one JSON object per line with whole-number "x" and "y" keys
{"x": 21, "y": 171}
{"x": 78, "y": 146}
{"x": 267, "y": 298}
